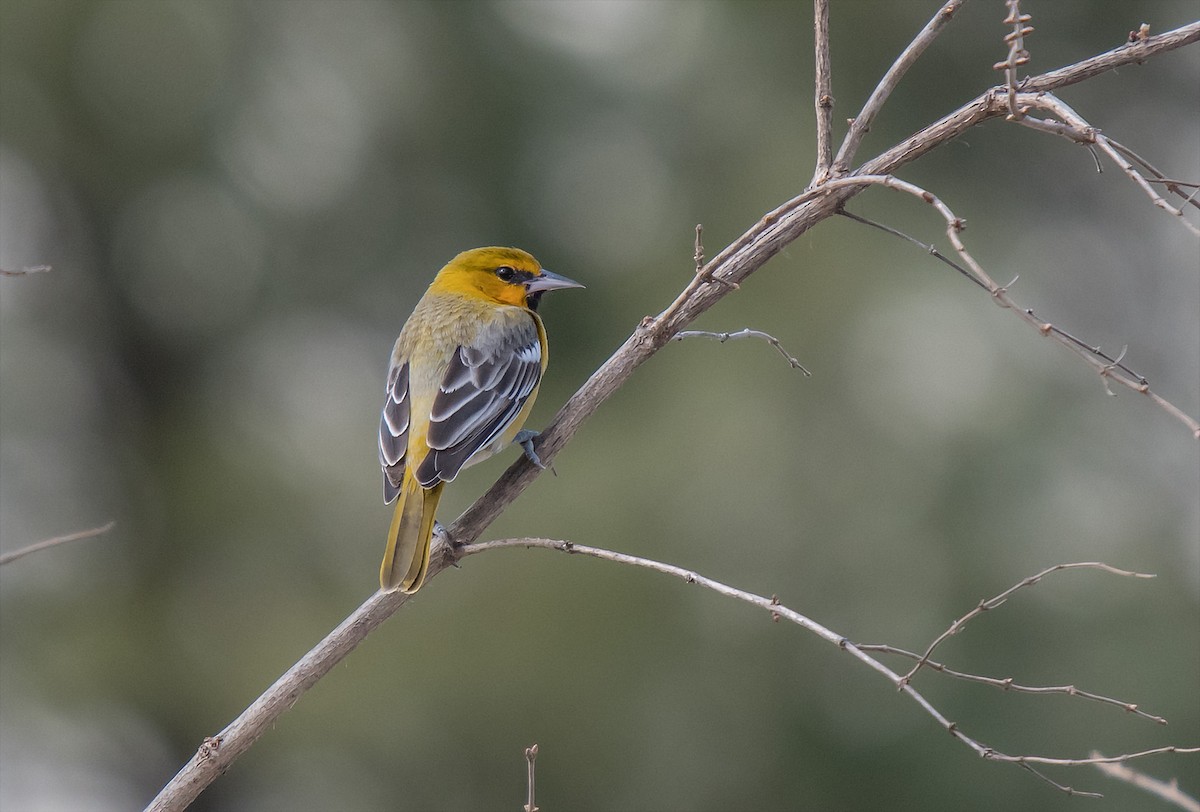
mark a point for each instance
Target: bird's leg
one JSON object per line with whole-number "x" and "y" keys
{"x": 442, "y": 536}
{"x": 525, "y": 439}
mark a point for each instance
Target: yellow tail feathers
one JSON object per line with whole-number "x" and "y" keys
{"x": 407, "y": 557}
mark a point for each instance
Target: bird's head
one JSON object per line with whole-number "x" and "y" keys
{"x": 504, "y": 275}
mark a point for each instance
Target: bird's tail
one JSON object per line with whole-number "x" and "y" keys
{"x": 407, "y": 557}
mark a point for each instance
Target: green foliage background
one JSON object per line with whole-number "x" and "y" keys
{"x": 242, "y": 202}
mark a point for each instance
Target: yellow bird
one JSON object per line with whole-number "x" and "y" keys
{"x": 463, "y": 377}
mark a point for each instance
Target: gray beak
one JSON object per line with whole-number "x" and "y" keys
{"x": 549, "y": 281}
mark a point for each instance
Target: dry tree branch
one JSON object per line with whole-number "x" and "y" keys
{"x": 9, "y": 557}
{"x": 901, "y": 683}
{"x": 32, "y": 269}
{"x": 719, "y": 276}
{"x": 860, "y": 125}
{"x": 1168, "y": 791}
{"x": 927, "y": 247}
{"x": 1109, "y": 368}
{"x": 992, "y": 103}
{"x": 992, "y": 603}
{"x": 1077, "y": 343}
{"x": 745, "y": 332}
{"x": 1158, "y": 177}
{"x": 218, "y": 752}
{"x": 824, "y": 90}
{"x": 1008, "y": 684}
{"x": 1075, "y": 128}
{"x": 530, "y": 755}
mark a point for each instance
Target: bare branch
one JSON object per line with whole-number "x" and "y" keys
{"x": 1079, "y": 762}
{"x": 992, "y": 603}
{"x": 928, "y": 248}
{"x": 32, "y": 269}
{"x": 530, "y": 755}
{"x": 993, "y": 102}
{"x": 1007, "y": 684}
{"x": 1077, "y": 129}
{"x": 778, "y": 610}
{"x": 762, "y": 241}
{"x": 745, "y": 333}
{"x": 1173, "y": 186}
{"x": 824, "y": 91}
{"x": 8, "y": 558}
{"x": 217, "y": 752}
{"x": 1109, "y": 368}
{"x": 860, "y": 125}
{"x": 1109, "y": 362}
{"x": 1126, "y": 54}
{"x": 1168, "y": 791}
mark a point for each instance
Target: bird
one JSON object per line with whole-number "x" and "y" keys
{"x": 463, "y": 377}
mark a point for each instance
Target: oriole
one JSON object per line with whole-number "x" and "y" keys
{"x": 463, "y": 377}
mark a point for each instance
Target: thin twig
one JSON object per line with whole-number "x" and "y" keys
{"x": 1110, "y": 362}
{"x": 8, "y": 558}
{"x": 992, "y": 103}
{"x": 824, "y": 91}
{"x": 992, "y": 603}
{"x": 1168, "y": 791}
{"x": 1008, "y": 684}
{"x": 927, "y": 247}
{"x": 1080, "y": 762}
{"x": 530, "y": 755}
{"x": 860, "y": 125}
{"x": 745, "y": 333}
{"x": 778, "y": 610}
{"x": 1077, "y": 129}
{"x": 1173, "y": 185}
{"x": 1110, "y": 369}
{"x": 1129, "y": 53}
{"x": 32, "y": 269}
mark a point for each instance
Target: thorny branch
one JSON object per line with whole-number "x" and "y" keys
{"x": 1017, "y": 55}
{"x": 720, "y": 275}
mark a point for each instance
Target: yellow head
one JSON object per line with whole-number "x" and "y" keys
{"x": 504, "y": 275}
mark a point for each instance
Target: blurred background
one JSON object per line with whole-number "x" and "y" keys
{"x": 242, "y": 202}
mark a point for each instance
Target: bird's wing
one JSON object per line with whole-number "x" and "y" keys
{"x": 393, "y": 431}
{"x": 482, "y": 392}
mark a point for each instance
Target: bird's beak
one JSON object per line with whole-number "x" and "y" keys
{"x": 550, "y": 281}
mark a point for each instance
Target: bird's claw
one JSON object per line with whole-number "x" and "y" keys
{"x": 525, "y": 438}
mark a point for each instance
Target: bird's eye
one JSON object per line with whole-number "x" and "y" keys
{"x": 505, "y": 273}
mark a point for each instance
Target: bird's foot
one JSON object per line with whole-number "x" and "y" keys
{"x": 451, "y": 547}
{"x": 525, "y": 438}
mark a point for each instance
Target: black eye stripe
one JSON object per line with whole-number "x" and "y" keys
{"x": 507, "y": 273}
